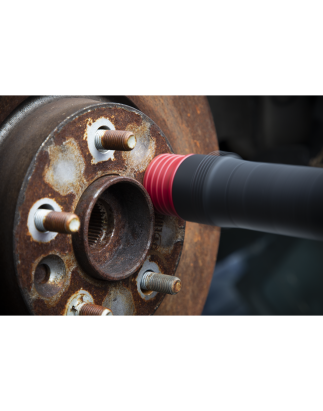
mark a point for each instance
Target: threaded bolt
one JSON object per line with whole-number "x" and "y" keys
{"x": 162, "y": 283}
{"x": 56, "y": 221}
{"x": 92, "y": 309}
{"x": 114, "y": 140}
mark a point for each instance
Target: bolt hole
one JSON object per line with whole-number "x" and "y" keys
{"x": 49, "y": 276}
{"x": 101, "y": 149}
{"x": 46, "y": 207}
{"x": 103, "y": 128}
{"x": 42, "y": 274}
{"x": 146, "y": 292}
{"x": 101, "y": 225}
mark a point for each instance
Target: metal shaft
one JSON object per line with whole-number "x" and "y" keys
{"x": 92, "y": 309}
{"x": 162, "y": 283}
{"x": 58, "y": 222}
{"x": 115, "y": 140}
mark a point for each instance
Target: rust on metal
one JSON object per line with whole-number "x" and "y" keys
{"x": 115, "y": 237}
{"x": 62, "y": 222}
{"x": 92, "y": 309}
{"x": 115, "y": 140}
{"x": 177, "y": 286}
{"x": 57, "y": 222}
{"x": 187, "y": 122}
{"x": 66, "y": 148}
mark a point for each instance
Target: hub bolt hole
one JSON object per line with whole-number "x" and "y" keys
{"x": 49, "y": 276}
{"x": 42, "y": 274}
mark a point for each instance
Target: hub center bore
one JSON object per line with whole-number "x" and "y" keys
{"x": 117, "y": 223}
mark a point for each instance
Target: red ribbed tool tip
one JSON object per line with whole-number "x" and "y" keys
{"x": 158, "y": 181}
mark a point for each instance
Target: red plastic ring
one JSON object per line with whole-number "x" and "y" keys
{"x": 158, "y": 181}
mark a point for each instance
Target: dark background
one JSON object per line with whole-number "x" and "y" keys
{"x": 259, "y": 273}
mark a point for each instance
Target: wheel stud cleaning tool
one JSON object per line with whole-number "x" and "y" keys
{"x": 222, "y": 190}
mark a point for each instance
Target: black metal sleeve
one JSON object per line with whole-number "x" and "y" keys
{"x": 229, "y": 192}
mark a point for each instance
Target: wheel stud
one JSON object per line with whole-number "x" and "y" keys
{"x": 162, "y": 283}
{"x": 58, "y": 222}
{"x": 115, "y": 140}
{"x": 92, "y": 309}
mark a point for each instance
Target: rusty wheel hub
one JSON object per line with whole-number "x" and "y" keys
{"x": 117, "y": 223}
{"x": 49, "y": 160}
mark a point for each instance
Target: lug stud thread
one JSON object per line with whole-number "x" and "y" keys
{"x": 115, "y": 140}
{"x": 92, "y": 309}
{"x": 162, "y": 283}
{"x": 57, "y": 222}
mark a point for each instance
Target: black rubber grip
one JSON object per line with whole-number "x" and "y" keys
{"x": 229, "y": 192}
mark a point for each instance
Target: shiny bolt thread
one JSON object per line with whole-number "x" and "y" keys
{"x": 92, "y": 309}
{"x": 115, "y": 140}
{"x": 56, "y": 221}
{"x": 162, "y": 283}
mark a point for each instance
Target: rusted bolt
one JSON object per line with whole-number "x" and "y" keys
{"x": 92, "y": 309}
{"x": 161, "y": 283}
{"x": 56, "y": 221}
{"x": 114, "y": 140}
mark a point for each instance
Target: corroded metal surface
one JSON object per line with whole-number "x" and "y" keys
{"x": 115, "y": 140}
{"x": 91, "y": 309}
{"x": 61, "y": 170}
{"x": 187, "y": 122}
{"x": 57, "y": 222}
{"x": 114, "y": 244}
